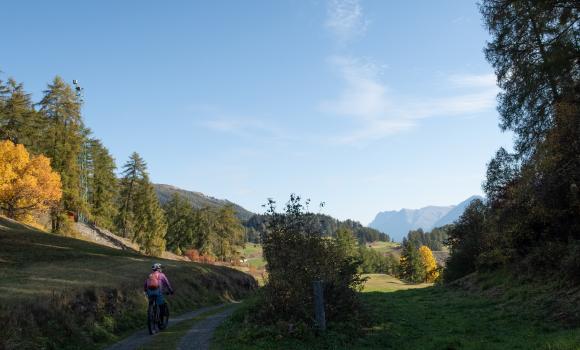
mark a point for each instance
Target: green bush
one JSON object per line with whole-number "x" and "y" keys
{"x": 297, "y": 254}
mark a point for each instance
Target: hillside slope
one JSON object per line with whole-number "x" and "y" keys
{"x": 64, "y": 293}
{"x": 199, "y": 200}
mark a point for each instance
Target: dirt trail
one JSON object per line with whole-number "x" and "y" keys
{"x": 142, "y": 337}
{"x": 200, "y": 335}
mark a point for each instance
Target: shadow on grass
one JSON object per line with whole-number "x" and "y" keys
{"x": 444, "y": 318}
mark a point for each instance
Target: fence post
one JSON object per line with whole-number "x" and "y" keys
{"x": 319, "y": 304}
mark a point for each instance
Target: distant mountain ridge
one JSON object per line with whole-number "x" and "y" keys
{"x": 199, "y": 200}
{"x": 398, "y": 223}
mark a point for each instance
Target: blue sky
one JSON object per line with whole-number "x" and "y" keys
{"x": 365, "y": 105}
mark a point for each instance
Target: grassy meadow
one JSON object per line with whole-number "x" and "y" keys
{"x": 253, "y": 253}
{"x": 485, "y": 313}
{"x": 58, "y": 292}
{"x": 379, "y": 282}
{"x": 386, "y": 247}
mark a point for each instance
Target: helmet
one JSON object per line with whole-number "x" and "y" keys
{"x": 156, "y": 267}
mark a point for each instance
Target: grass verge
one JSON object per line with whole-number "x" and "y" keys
{"x": 494, "y": 311}
{"x": 63, "y": 293}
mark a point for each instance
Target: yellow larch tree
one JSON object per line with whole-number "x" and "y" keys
{"x": 27, "y": 182}
{"x": 430, "y": 264}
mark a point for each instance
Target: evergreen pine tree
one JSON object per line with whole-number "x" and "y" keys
{"x": 346, "y": 242}
{"x": 230, "y": 233}
{"x": 412, "y": 268}
{"x": 140, "y": 216}
{"x": 181, "y": 233}
{"x": 133, "y": 171}
{"x": 63, "y": 140}
{"x": 102, "y": 185}
{"x": 150, "y": 224}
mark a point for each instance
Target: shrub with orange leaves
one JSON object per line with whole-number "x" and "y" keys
{"x": 195, "y": 255}
{"x": 26, "y": 182}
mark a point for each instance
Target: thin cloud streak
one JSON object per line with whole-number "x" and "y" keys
{"x": 250, "y": 128}
{"x": 380, "y": 112}
{"x": 345, "y": 19}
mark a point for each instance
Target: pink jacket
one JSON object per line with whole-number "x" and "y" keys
{"x": 163, "y": 280}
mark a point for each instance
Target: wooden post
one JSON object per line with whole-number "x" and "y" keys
{"x": 319, "y": 305}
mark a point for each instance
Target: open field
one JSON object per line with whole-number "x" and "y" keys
{"x": 253, "y": 253}
{"x": 378, "y": 282}
{"x": 385, "y": 247}
{"x": 478, "y": 315}
{"x": 59, "y": 292}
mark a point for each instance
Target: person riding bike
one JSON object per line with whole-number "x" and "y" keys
{"x": 156, "y": 284}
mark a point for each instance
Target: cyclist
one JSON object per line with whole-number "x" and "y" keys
{"x": 156, "y": 283}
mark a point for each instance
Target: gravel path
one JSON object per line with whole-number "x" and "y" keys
{"x": 200, "y": 335}
{"x": 142, "y": 337}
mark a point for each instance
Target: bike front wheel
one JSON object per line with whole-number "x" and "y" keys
{"x": 164, "y": 316}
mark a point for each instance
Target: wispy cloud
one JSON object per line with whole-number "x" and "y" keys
{"x": 247, "y": 127}
{"x": 482, "y": 80}
{"x": 379, "y": 111}
{"x": 345, "y": 19}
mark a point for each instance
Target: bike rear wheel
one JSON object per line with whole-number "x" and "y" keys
{"x": 152, "y": 317}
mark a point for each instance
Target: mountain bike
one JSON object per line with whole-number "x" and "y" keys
{"x": 157, "y": 316}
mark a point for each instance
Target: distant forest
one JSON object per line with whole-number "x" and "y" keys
{"x": 326, "y": 224}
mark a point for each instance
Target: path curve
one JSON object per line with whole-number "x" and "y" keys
{"x": 142, "y": 337}
{"x": 200, "y": 335}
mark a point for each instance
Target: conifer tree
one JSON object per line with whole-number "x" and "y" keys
{"x": 63, "y": 140}
{"x": 206, "y": 231}
{"x": 412, "y": 268}
{"x": 19, "y": 122}
{"x": 230, "y": 233}
{"x": 102, "y": 185}
{"x": 346, "y": 242}
{"x": 150, "y": 225}
{"x": 140, "y": 216}
{"x": 181, "y": 232}
{"x": 534, "y": 51}
{"x": 133, "y": 172}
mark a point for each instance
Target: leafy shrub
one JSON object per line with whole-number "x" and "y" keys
{"x": 297, "y": 254}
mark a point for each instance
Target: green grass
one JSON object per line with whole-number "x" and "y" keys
{"x": 386, "y": 247}
{"x": 440, "y": 318}
{"x": 59, "y": 292}
{"x": 253, "y": 252}
{"x": 494, "y": 311}
{"x": 170, "y": 338}
{"x": 378, "y": 282}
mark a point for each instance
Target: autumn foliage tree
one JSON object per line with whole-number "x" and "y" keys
{"x": 430, "y": 264}
{"x": 26, "y": 183}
